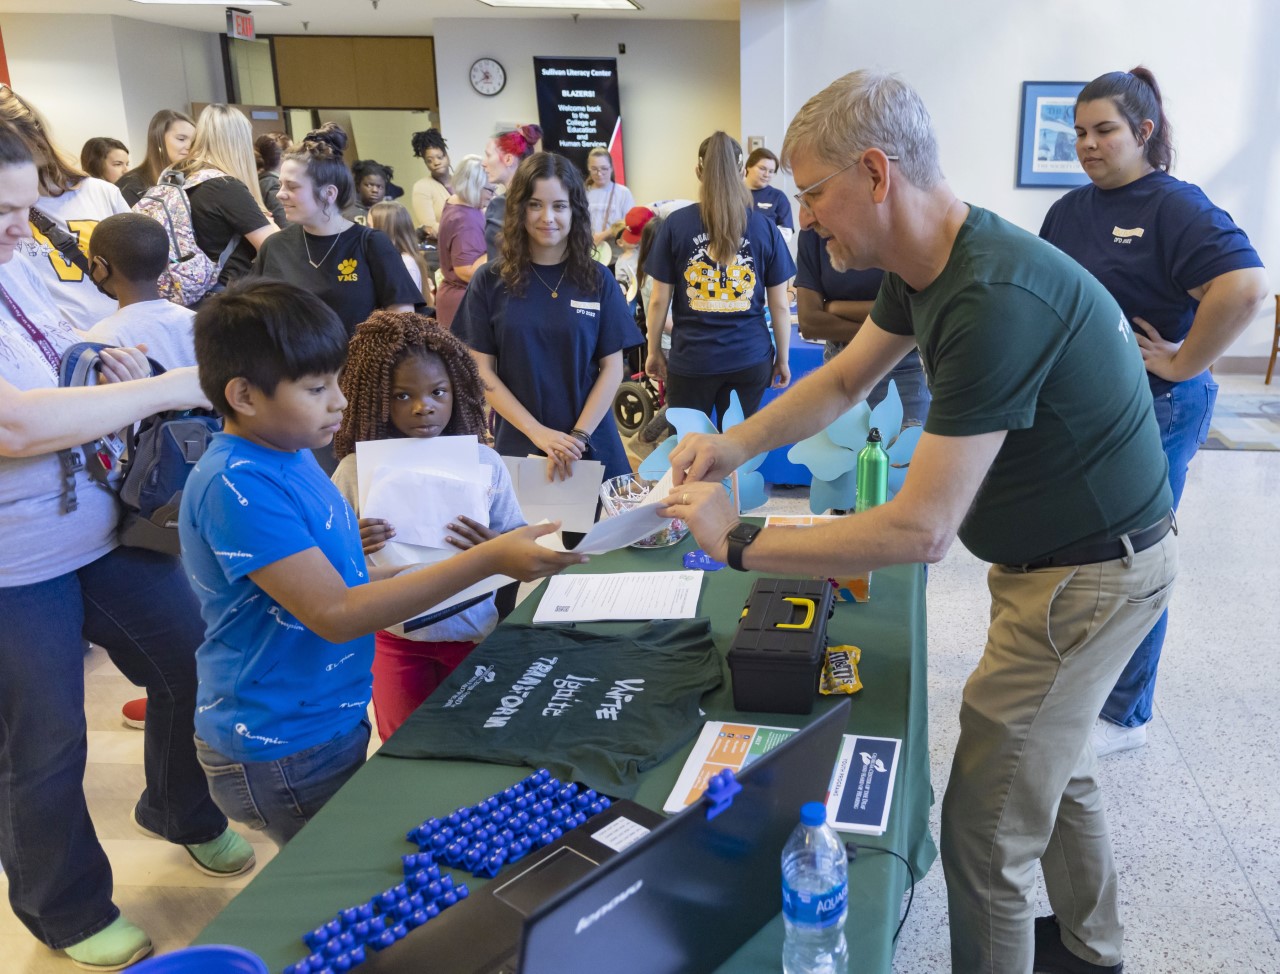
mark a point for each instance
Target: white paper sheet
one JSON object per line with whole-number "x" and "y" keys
{"x": 397, "y": 553}
{"x": 571, "y": 502}
{"x": 421, "y": 503}
{"x": 623, "y": 529}
{"x": 622, "y": 596}
{"x": 449, "y": 454}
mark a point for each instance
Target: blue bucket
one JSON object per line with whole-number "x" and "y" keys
{"x": 210, "y": 959}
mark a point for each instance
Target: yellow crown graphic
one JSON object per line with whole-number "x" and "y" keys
{"x": 347, "y": 266}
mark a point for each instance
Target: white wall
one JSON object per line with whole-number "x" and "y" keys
{"x": 67, "y": 68}
{"x": 108, "y": 75}
{"x": 1217, "y": 68}
{"x": 164, "y": 67}
{"x": 678, "y": 83}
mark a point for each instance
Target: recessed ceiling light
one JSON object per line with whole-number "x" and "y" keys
{"x": 567, "y": 4}
{"x": 217, "y": 3}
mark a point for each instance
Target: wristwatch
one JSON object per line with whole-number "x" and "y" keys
{"x": 741, "y": 536}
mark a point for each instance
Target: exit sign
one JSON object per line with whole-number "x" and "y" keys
{"x": 240, "y": 24}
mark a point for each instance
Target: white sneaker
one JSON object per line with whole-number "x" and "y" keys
{"x": 1108, "y": 738}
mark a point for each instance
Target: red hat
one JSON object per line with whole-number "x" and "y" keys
{"x": 635, "y": 220}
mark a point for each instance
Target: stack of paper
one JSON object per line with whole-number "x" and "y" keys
{"x": 572, "y": 502}
{"x": 420, "y": 486}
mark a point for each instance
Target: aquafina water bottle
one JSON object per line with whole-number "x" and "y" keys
{"x": 815, "y": 897}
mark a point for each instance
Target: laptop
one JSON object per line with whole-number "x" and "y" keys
{"x": 680, "y": 898}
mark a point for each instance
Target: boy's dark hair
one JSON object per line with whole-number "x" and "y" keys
{"x": 266, "y": 332}
{"x": 381, "y": 343}
{"x": 371, "y": 167}
{"x": 136, "y": 246}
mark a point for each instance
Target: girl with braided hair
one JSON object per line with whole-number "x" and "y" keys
{"x": 431, "y": 191}
{"x": 408, "y": 377}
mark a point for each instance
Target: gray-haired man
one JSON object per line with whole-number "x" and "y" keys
{"x": 1040, "y": 451}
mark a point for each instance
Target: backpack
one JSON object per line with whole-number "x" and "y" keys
{"x": 145, "y": 466}
{"x": 191, "y": 274}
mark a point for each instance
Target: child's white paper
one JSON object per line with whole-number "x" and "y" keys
{"x": 396, "y": 553}
{"x": 447, "y": 454}
{"x": 572, "y": 502}
{"x": 420, "y": 504}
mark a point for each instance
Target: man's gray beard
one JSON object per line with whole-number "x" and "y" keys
{"x": 837, "y": 255}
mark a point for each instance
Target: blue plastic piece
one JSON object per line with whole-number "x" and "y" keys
{"x": 700, "y": 561}
{"x": 720, "y": 792}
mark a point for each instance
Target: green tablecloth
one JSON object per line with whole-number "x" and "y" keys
{"x": 352, "y": 849}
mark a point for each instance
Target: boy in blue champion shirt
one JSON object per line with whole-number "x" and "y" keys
{"x": 273, "y": 552}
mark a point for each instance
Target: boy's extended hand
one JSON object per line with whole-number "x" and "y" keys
{"x": 469, "y": 533}
{"x": 520, "y": 556}
{"x": 375, "y": 533}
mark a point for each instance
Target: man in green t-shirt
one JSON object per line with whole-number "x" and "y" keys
{"x": 1040, "y": 452}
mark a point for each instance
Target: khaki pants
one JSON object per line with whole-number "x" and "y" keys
{"x": 1023, "y": 786}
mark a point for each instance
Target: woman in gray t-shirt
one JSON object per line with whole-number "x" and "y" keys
{"x": 63, "y": 581}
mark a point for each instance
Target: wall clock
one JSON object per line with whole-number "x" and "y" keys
{"x": 488, "y": 77}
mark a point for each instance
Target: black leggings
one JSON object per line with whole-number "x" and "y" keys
{"x": 703, "y": 392}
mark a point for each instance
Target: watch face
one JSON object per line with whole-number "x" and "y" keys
{"x": 488, "y": 77}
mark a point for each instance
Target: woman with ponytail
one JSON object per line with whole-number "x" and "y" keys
{"x": 728, "y": 259}
{"x": 354, "y": 269}
{"x": 502, "y": 154}
{"x": 1188, "y": 281}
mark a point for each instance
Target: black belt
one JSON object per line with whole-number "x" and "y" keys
{"x": 1089, "y": 554}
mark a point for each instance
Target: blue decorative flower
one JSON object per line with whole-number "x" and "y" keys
{"x": 751, "y": 492}
{"x": 832, "y": 454}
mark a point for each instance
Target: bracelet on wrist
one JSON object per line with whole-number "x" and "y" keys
{"x": 582, "y": 436}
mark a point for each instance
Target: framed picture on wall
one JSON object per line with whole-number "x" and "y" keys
{"x": 1047, "y": 135}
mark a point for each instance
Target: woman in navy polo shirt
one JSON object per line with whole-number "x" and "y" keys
{"x": 721, "y": 260}
{"x": 762, "y": 165}
{"x": 547, "y": 325}
{"x": 1187, "y": 279}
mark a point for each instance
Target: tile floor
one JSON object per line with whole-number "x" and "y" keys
{"x": 1194, "y": 817}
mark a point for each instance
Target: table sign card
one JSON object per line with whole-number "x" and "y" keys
{"x": 861, "y": 790}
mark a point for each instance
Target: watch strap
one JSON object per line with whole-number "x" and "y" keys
{"x": 741, "y": 536}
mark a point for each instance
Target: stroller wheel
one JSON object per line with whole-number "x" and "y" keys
{"x": 633, "y": 406}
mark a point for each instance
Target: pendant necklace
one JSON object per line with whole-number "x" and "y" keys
{"x": 555, "y": 291}
{"x": 307, "y": 247}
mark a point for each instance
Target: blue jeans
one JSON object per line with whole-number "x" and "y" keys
{"x": 1183, "y": 414}
{"x": 138, "y": 606}
{"x": 279, "y": 797}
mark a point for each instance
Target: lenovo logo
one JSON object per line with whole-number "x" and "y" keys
{"x": 590, "y": 918}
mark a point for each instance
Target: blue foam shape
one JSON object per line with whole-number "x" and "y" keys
{"x": 887, "y": 416}
{"x": 825, "y": 458}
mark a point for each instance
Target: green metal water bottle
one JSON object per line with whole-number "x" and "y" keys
{"x": 873, "y": 474}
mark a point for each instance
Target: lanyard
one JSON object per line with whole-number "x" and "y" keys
{"x": 37, "y": 336}
{"x": 72, "y": 461}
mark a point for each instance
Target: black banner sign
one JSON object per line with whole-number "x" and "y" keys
{"x": 578, "y": 107}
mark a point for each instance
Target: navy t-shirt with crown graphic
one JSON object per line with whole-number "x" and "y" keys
{"x": 360, "y": 269}
{"x": 1150, "y": 242}
{"x": 269, "y": 687}
{"x": 717, "y": 310}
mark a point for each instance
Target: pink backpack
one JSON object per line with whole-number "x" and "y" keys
{"x": 191, "y": 274}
